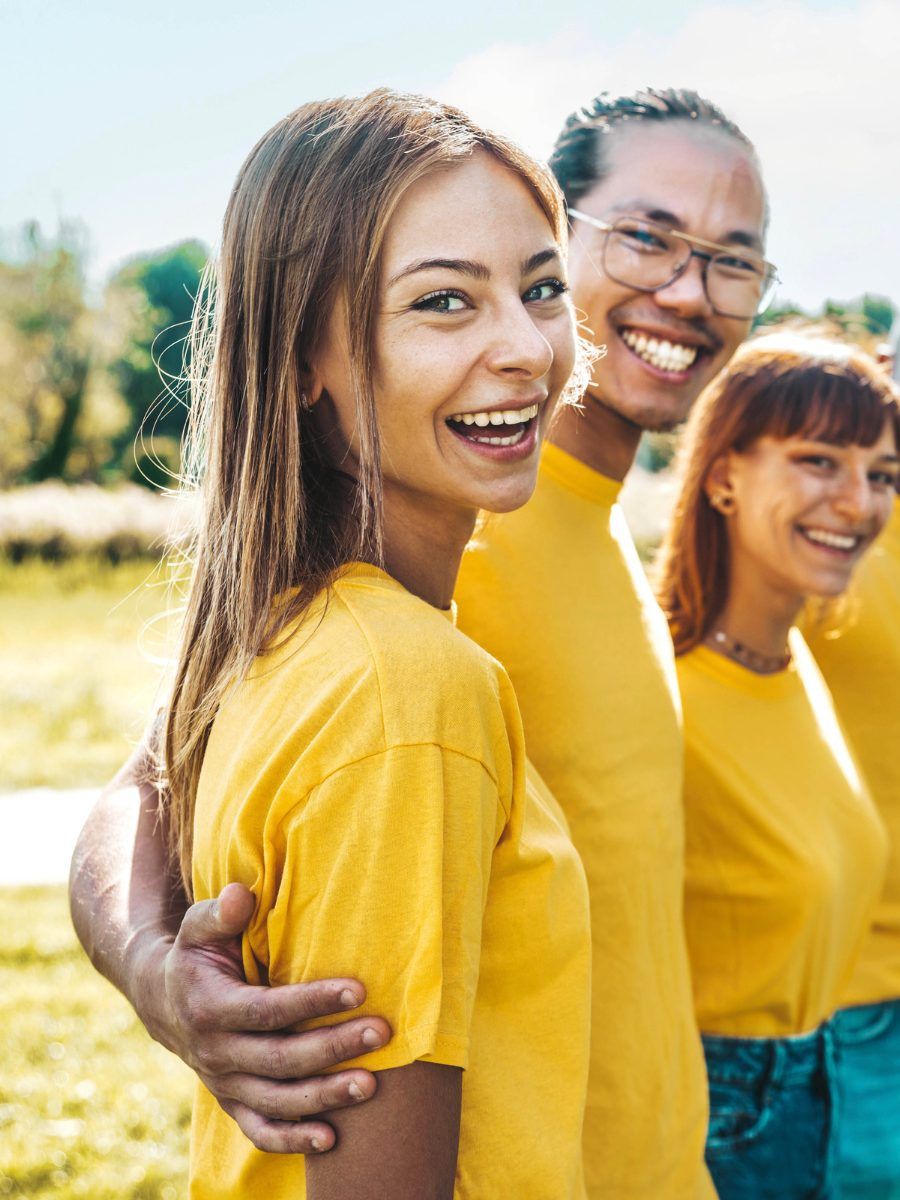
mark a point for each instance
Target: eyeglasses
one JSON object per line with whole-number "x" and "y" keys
{"x": 648, "y": 257}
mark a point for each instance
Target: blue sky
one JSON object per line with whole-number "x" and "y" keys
{"x": 135, "y": 118}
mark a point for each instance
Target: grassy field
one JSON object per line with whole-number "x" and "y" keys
{"x": 89, "y": 1106}
{"x": 75, "y": 647}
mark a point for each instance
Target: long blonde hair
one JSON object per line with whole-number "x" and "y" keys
{"x": 305, "y": 224}
{"x": 780, "y": 385}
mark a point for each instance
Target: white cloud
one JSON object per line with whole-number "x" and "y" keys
{"x": 816, "y": 90}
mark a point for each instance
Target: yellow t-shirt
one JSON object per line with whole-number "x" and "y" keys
{"x": 368, "y": 783}
{"x": 862, "y": 668}
{"x": 785, "y": 852}
{"x": 556, "y": 591}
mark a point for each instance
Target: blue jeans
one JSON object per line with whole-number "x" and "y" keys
{"x": 772, "y": 1116}
{"x": 868, "y": 1078}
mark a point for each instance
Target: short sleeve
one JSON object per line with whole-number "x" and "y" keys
{"x": 386, "y": 866}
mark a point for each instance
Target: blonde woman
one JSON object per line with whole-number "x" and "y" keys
{"x": 389, "y": 334}
{"x": 789, "y": 469}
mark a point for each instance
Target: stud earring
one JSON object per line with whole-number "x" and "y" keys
{"x": 723, "y": 502}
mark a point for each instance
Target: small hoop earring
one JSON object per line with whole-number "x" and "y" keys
{"x": 305, "y": 404}
{"x": 723, "y": 502}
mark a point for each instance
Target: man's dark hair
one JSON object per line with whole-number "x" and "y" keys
{"x": 579, "y": 160}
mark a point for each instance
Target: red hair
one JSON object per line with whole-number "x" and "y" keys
{"x": 780, "y": 386}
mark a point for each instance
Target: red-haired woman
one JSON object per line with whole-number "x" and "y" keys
{"x": 789, "y": 468}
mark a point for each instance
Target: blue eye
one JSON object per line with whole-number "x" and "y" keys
{"x": 444, "y": 301}
{"x": 547, "y": 289}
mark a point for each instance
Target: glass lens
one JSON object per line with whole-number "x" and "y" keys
{"x": 737, "y": 286}
{"x": 646, "y": 256}
{"x": 643, "y": 255}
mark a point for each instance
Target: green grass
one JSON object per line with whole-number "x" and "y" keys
{"x": 89, "y": 1105}
{"x": 75, "y": 646}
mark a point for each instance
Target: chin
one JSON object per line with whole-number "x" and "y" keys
{"x": 654, "y": 417}
{"x": 508, "y": 499}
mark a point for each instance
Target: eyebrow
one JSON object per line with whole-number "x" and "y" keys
{"x": 474, "y": 270}
{"x": 737, "y": 237}
{"x": 891, "y": 460}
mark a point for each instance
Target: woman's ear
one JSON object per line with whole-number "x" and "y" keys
{"x": 311, "y": 387}
{"x": 719, "y": 487}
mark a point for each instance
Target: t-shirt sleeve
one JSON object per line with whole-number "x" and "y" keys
{"x": 385, "y": 874}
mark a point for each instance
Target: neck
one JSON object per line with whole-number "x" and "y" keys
{"x": 595, "y": 435}
{"x": 423, "y": 547}
{"x": 757, "y": 615}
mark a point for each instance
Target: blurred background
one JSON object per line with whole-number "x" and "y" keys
{"x": 125, "y": 127}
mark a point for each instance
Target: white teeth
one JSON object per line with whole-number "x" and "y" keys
{"x": 827, "y": 538}
{"x": 502, "y": 441}
{"x": 505, "y": 416}
{"x": 664, "y": 355}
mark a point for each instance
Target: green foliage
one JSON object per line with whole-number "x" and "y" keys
{"x": 154, "y": 361}
{"x": 45, "y": 352}
{"x": 866, "y": 320}
{"x": 90, "y": 1107}
{"x": 657, "y": 450}
{"x": 78, "y": 379}
{"x": 879, "y": 313}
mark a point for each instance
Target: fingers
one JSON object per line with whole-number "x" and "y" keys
{"x": 234, "y": 908}
{"x": 280, "y": 1137}
{"x": 295, "y": 1055}
{"x": 297, "y": 1099}
{"x": 212, "y": 922}
{"x": 244, "y": 1008}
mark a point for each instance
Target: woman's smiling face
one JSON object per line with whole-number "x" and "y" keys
{"x": 805, "y": 511}
{"x": 475, "y": 340}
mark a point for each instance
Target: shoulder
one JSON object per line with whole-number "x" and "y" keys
{"x": 434, "y": 684}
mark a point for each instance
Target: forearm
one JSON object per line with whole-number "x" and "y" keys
{"x": 126, "y": 907}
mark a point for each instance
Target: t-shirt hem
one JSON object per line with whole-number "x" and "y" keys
{"x": 422, "y": 1044}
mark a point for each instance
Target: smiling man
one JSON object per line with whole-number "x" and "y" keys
{"x": 666, "y": 266}
{"x": 668, "y": 216}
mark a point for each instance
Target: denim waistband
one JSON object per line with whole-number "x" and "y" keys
{"x": 788, "y": 1061}
{"x": 865, "y": 1022}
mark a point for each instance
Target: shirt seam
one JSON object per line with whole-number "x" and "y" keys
{"x": 286, "y": 816}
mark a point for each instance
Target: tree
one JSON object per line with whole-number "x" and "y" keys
{"x": 45, "y": 351}
{"x": 163, "y": 286}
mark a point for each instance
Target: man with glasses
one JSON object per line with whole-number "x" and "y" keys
{"x": 666, "y": 266}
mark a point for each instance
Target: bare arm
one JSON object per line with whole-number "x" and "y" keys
{"x": 180, "y": 968}
{"x": 416, "y": 1117}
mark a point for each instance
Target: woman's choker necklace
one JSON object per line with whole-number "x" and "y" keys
{"x": 760, "y": 664}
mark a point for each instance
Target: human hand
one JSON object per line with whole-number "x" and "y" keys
{"x": 193, "y": 998}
